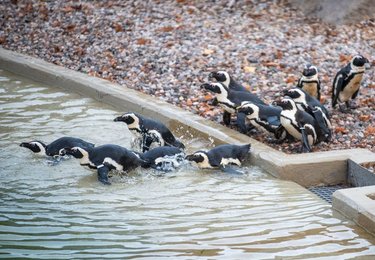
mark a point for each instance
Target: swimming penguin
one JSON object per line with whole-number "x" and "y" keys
{"x": 311, "y": 105}
{"x": 310, "y": 82}
{"x": 105, "y": 158}
{"x": 263, "y": 117}
{"x": 229, "y": 100}
{"x": 300, "y": 124}
{"x": 56, "y": 146}
{"x": 221, "y": 156}
{"x": 163, "y": 158}
{"x": 224, "y": 78}
{"x": 149, "y": 131}
{"x": 347, "y": 81}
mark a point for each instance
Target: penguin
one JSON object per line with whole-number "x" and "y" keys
{"x": 229, "y": 100}
{"x": 309, "y": 81}
{"x": 56, "y": 146}
{"x": 347, "y": 82}
{"x": 163, "y": 158}
{"x": 224, "y": 78}
{"x": 264, "y": 118}
{"x": 105, "y": 158}
{"x": 311, "y": 105}
{"x": 300, "y": 124}
{"x": 221, "y": 157}
{"x": 148, "y": 131}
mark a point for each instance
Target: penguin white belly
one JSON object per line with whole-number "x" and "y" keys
{"x": 112, "y": 162}
{"x": 311, "y": 139}
{"x": 287, "y": 124}
{"x": 205, "y": 164}
{"x": 157, "y": 138}
{"x": 311, "y": 88}
{"x": 350, "y": 88}
{"x": 225, "y": 161}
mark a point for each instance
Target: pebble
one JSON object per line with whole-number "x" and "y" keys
{"x": 169, "y": 50}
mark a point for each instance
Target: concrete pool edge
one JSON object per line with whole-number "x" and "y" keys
{"x": 319, "y": 168}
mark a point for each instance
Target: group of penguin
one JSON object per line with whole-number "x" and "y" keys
{"x": 158, "y": 149}
{"x": 299, "y": 114}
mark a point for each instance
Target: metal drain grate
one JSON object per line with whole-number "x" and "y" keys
{"x": 325, "y": 192}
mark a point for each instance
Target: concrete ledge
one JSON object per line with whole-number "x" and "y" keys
{"x": 357, "y": 204}
{"x": 320, "y": 168}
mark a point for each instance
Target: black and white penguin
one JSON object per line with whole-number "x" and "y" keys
{"x": 148, "y": 131}
{"x": 54, "y": 148}
{"x": 309, "y": 81}
{"x": 229, "y": 100}
{"x": 105, "y": 158}
{"x": 347, "y": 81}
{"x": 224, "y": 78}
{"x": 221, "y": 156}
{"x": 263, "y": 117}
{"x": 311, "y": 105}
{"x": 163, "y": 158}
{"x": 300, "y": 124}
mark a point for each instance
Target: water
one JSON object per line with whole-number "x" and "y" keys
{"x": 61, "y": 211}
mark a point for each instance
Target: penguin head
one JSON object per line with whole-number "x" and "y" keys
{"x": 76, "y": 152}
{"x": 36, "y": 146}
{"x": 309, "y": 70}
{"x": 220, "y": 76}
{"x": 286, "y": 104}
{"x": 131, "y": 119}
{"x": 199, "y": 157}
{"x": 217, "y": 88}
{"x": 359, "y": 60}
{"x": 248, "y": 108}
{"x": 294, "y": 93}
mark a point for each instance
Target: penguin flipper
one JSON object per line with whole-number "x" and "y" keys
{"x": 337, "y": 88}
{"x": 230, "y": 170}
{"x": 305, "y": 143}
{"x": 241, "y": 122}
{"x": 103, "y": 171}
{"x": 324, "y": 129}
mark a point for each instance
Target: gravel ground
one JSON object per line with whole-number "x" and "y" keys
{"x": 167, "y": 49}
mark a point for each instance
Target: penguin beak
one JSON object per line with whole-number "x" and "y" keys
{"x": 117, "y": 119}
{"x": 189, "y": 157}
{"x": 23, "y": 144}
{"x": 211, "y": 75}
{"x": 206, "y": 85}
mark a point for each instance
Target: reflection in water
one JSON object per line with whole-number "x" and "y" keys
{"x": 61, "y": 211}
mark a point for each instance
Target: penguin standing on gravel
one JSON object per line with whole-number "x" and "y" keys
{"x": 224, "y": 78}
{"x": 54, "y": 148}
{"x": 309, "y": 81}
{"x": 221, "y": 157}
{"x": 347, "y": 82}
{"x": 149, "y": 132}
{"x": 229, "y": 100}
{"x": 163, "y": 158}
{"x": 265, "y": 118}
{"x": 311, "y": 105}
{"x": 105, "y": 158}
{"x": 300, "y": 124}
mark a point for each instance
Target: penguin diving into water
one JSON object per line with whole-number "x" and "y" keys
{"x": 221, "y": 156}
{"x": 310, "y": 82}
{"x": 229, "y": 100}
{"x": 54, "y": 148}
{"x": 163, "y": 158}
{"x": 347, "y": 82}
{"x": 105, "y": 158}
{"x": 149, "y": 132}
{"x": 300, "y": 124}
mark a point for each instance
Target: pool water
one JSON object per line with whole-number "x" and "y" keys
{"x": 60, "y": 211}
